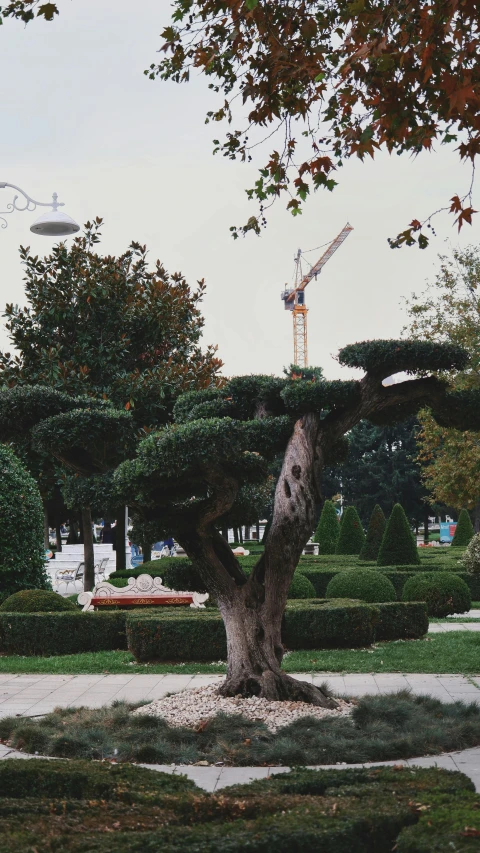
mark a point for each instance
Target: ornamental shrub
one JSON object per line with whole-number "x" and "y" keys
{"x": 443, "y": 592}
{"x": 22, "y": 553}
{"x": 464, "y": 530}
{"x": 352, "y": 536}
{"x": 300, "y": 587}
{"x": 364, "y": 584}
{"x": 61, "y": 633}
{"x": 471, "y": 557}
{"x": 328, "y": 529}
{"x": 373, "y": 539}
{"x": 36, "y": 601}
{"x": 398, "y": 546}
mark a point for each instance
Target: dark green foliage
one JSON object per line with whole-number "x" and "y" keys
{"x": 300, "y": 587}
{"x": 321, "y": 397}
{"x": 384, "y": 358}
{"x": 373, "y": 539}
{"x": 318, "y": 624}
{"x": 459, "y": 409}
{"x": 36, "y": 601}
{"x": 22, "y": 555}
{"x": 398, "y": 546}
{"x": 176, "y": 573}
{"x": 444, "y": 593}
{"x": 61, "y": 633}
{"x": 394, "y": 726}
{"x": 352, "y": 536}
{"x": 401, "y": 621}
{"x": 328, "y": 529}
{"x": 364, "y": 584}
{"x": 464, "y": 530}
{"x": 22, "y": 408}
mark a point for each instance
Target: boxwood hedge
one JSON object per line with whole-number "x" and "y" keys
{"x": 78, "y": 806}
{"x": 61, "y": 633}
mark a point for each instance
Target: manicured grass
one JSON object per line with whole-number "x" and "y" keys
{"x": 380, "y": 728}
{"x": 455, "y": 652}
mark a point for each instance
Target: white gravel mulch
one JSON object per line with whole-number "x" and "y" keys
{"x": 192, "y": 707}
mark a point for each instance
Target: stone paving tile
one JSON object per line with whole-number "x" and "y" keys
{"x": 239, "y": 775}
{"x": 442, "y": 627}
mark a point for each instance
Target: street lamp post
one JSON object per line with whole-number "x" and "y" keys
{"x": 51, "y": 224}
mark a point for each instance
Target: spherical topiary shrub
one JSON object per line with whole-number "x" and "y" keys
{"x": 36, "y": 601}
{"x": 443, "y": 592}
{"x": 22, "y": 553}
{"x": 398, "y": 546}
{"x": 464, "y": 530}
{"x": 373, "y": 539}
{"x": 365, "y": 584}
{"x": 471, "y": 557}
{"x": 328, "y": 529}
{"x": 301, "y": 587}
{"x": 352, "y": 536}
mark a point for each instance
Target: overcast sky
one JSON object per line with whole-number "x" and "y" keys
{"x": 80, "y": 118}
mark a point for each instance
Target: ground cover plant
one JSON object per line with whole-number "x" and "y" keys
{"x": 79, "y": 807}
{"x": 452, "y": 652}
{"x": 394, "y": 726}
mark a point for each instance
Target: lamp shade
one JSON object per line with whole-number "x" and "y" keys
{"x": 54, "y": 224}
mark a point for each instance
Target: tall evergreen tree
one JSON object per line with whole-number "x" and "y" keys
{"x": 464, "y": 530}
{"x": 373, "y": 539}
{"x": 328, "y": 529}
{"x": 398, "y": 546}
{"x": 352, "y": 537}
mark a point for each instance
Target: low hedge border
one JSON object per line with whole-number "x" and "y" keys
{"x": 62, "y": 633}
{"x": 320, "y": 579}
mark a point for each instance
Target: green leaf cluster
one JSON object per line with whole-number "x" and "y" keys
{"x": 383, "y": 358}
{"x": 352, "y": 535}
{"x": 398, "y": 546}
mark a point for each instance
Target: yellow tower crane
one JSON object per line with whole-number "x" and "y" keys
{"x": 294, "y": 298}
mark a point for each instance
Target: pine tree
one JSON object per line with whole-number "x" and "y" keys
{"x": 352, "y": 536}
{"x": 398, "y": 546}
{"x": 464, "y": 530}
{"x": 328, "y": 529}
{"x": 376, "y": 529}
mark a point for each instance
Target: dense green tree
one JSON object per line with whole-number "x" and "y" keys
{"x": 464, "y": 530}
{"x": 352, "y": 536}
{"x": 398, "y": 547}
{"x": 334, "y": 80}
{"x": 328, "y": 529}
{"x": 374, "y": 537}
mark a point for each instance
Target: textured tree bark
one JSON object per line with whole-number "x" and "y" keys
{"x": 88, "y": 556}
{"x": 120, "y": 555}
{"x": 147, "y": 552}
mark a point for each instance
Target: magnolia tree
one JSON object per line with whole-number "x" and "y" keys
{"x": 188, "y": 475}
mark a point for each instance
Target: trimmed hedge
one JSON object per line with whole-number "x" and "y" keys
{"x": 464, "y": 530}
{"x": 300, "y": 587}
{"x": 328, "y": 529}
{"x": 318, "y": 624}
{"x": 320, "y": 578}
{"x": 444, "y": 593}
{"x": 398, "y": 544}
{"x": 373, "y": 539}
{"x": 36, "y": 601}
{"x": 364, "y": 584}
{"x": 61, "y": 633}
{"x": 352, "y": 537}
{"x": 401, "y": 621}
{"x": 79, "y": 805}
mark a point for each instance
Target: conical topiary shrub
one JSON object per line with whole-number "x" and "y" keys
{"x": 328, "y": 529}
{"x": 398, "y": 546}
{"x": 373, "y": 540}
{"x": 464, "y": 530}
{"x": 352, "y": 536}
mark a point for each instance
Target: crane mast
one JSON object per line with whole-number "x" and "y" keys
{"x": 294, "y": 298}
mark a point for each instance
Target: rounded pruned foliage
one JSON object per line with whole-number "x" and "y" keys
{"x": 328, "y": 529}
{"x": 471, "y": 557}
{"x": 22, "y": 554}
{"x": 459, "y": 409}
{"x": 22, "y": 407}
{"x": 464, "y": 530}
{"x": 352, "y": 537}
{"x": 443, "y": 592}
{"x": 301, "y": 587}
{"x": 364, "y": 584}
{"x": 373, "y": 539}
{"x": 385, "y": 357}
{"x": 36, "y": 601}
{"x": 398, "y": 546}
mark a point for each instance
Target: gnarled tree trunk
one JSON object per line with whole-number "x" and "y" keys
{"x": 88, "y": 555}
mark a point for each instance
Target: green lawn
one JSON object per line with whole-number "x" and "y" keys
{"x": 455, "y": 652}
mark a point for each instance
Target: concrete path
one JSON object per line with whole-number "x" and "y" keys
{"x": 440, "y": 627}
{"x": 35, "y": 695}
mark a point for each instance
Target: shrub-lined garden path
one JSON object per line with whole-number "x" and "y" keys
{"x": 37, "y": 694}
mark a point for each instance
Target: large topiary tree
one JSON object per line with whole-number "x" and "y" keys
{"x": 464, "y": 530}
{"x": 373, "y": 539}
{"x": 189, "y": 474}
{"x": 398, "y": 546}
{"x": 352, "y": 535}
{"x": 22, "y": 554}
{"x": 328, "y": 529}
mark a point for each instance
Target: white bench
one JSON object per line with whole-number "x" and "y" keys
{"x": 141, "y": 591}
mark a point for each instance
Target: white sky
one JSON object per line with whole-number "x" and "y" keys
{"x": 80, "y": 118}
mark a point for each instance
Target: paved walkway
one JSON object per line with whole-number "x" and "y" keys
{"x": 440, "y": 627}
{"x": 35, "y": 695}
